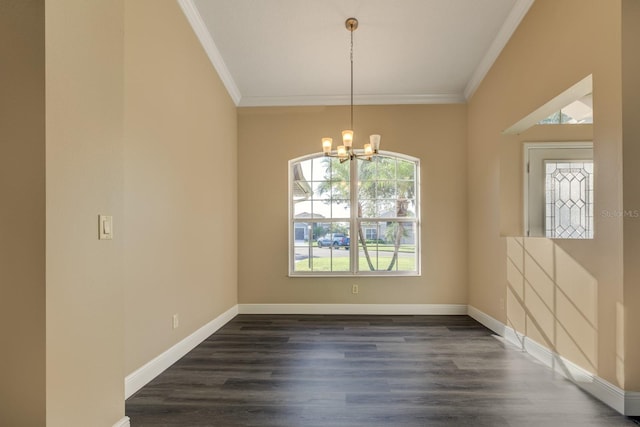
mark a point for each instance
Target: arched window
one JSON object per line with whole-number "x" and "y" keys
{"x": 358, "y": 217}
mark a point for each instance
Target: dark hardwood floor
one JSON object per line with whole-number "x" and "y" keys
{"x": 339, "y": 371}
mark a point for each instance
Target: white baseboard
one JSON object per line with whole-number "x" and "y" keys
{"x": 124, "y": 422}
{"x": 632, "y": 403}
{"x": 496, "y": 326}
{"x": 625, "y": 402}
{"x": 488, "y": 321}
{"x": 381, "y": 309}
{"x": 141, "y": 376}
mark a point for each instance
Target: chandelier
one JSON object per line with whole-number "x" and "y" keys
{"x": 345, "y": 151}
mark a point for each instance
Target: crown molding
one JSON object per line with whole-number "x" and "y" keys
{"x": 291, "y": 101}
{"x": 514, "y": 18}
{"x": 199, "y": 27}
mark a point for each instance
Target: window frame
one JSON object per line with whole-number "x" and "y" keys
{"x": 354, "y": 222}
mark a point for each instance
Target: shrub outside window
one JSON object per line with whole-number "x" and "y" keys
{"x": 354, "y": 218}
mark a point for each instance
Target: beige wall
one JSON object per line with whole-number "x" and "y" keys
{"x": 631, "y": 150}
{"x": 22, "y": 213}
{"x": 84, "y": 115}
{"x": 270, "y": 137}
{"x": 180, "y": 189}
{"x": 533, "y": 69}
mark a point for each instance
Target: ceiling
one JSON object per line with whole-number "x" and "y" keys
{"x": 296, "y": 52}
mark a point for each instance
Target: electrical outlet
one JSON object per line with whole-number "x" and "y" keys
{"x": 176, "y": 321}
{"x": 354, "y": 289}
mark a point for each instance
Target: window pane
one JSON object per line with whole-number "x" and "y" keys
{"x": 569, "y": 199}
{"x": 301, "y": 188}
{"x": 367, "y": 194}
{"x": 388, "y": 246}
{"x": 340, "y": 209}
{"x": 385, "y": 189}
{"x": 321, "y": 210}
{"x": 340, "y": 190}
{"x": 406, "y": 189}
{"x": 326, "y": 251}
{"x": 320, "y": 188}
{"x": 367, "y": 170}
{"x": 405, "y": 208}
{"x": 302, "y": 209}
{"x": 336, "y": 171}
{"x": 386, "y": 208}
{"x": 319, "y": 169}
{"x": 406, "y": 170}
{"x": 380, "y": 194}
{"x": 386, "y": 168}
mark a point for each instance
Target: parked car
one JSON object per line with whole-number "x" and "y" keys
{"x": 345, "y": 242}
{"x": 337, "y": 240}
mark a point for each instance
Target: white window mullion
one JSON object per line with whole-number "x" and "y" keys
{"x": 353, "y": 226}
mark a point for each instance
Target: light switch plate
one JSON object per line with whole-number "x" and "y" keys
{"x": 105, "y": 227}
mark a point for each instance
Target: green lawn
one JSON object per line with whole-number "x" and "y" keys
{"x": 407, "y": 249}
{"x": 342, "y": 264}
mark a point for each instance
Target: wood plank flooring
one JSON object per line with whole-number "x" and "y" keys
{"x": 369, "y": 371}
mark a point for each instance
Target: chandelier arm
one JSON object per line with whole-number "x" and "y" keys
{"x": 350, "y": 155}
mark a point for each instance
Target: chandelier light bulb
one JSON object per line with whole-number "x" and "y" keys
{"x": 347, "y": 137}
{"x": 327, "y": 144}
{"x": 375, "y": 142}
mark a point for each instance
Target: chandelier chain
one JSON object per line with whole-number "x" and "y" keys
{"x": 351, "y": 58}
